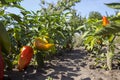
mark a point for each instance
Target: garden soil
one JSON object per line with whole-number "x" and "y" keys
{"x": 74, "y": 65}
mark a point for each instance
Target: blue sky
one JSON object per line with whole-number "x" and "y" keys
{"x": 83, "y": 8}
{"x": 86, "y": 6}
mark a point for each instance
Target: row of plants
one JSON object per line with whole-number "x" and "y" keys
{"x": 31, "y": 38}
{"x": 99, "y": 38}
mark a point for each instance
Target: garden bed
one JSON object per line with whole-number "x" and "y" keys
{"x": 74, "y": 65}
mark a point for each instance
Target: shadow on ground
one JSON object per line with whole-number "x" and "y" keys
{"x": 64, "y": 67}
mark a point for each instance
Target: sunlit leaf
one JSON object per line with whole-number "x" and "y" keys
{"x": 116, "y": 18}
{"x": 10, "y": 1}
{"x": 110, "y": 29}
{"x": 113, "y": 5}
{"x": 92, "y": 43}
{"x": 1, "y": 12}
{"x": 80, "y": 27}
{"x": 88, "y": 39}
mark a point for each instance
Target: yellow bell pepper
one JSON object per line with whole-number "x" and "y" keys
{"x": 42, "y": 44}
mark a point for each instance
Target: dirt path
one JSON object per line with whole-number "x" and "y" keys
{"x": 69, "y": 66}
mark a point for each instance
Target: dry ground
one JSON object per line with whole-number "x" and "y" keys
{"x": 69, "y": 66}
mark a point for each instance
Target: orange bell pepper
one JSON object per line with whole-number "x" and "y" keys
{"x": 105, "y": 21}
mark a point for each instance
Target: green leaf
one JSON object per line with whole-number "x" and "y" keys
{"x": 111, "y": 38}
{"x": 25, "y": 12}
{"x": 115, "y": 18}
{"x": 113, "y": 5}
{"x": 10, "y": 1}
{"x": 5, "y": 42}
{"x": 85, "y": 34}
{"x": 88, "y": 39}
{"x": 3, "y": 1}
{"x": 16, "y": 17}
{"x": 110, "y": 29}
{"x": 1, "y": 12}
{"x": 18, "y": 6}
{"x": 80, "y": 27}
{"x": 92, "y": 43}
{"x": 61, "y": 34}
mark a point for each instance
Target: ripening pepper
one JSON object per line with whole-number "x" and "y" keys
{"x": 1, "y": 66}
{"x": 42, "y": 45}
{"x": 105, "y": 21}
{"x": 26, "y": 55}
{"x": 41, "y": 40}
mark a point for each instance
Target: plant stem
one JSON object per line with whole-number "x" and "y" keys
{"x": 110, "y": 54}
